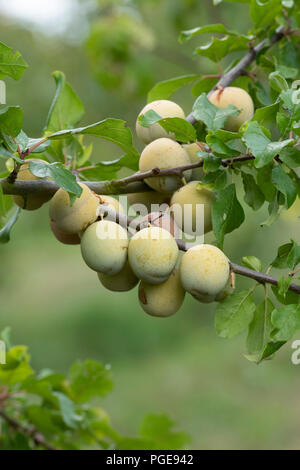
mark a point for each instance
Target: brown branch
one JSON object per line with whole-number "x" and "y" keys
{"x": 244, "y": 63}
{"x": 128, "y": 222}
{"x": 33, "y": 434}
{"x": 129, "y": 184}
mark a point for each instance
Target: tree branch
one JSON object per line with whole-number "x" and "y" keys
{"x": 33, "y": 434}
{"x": 129, "y": 222}
{"x": 241, "y": 67}
{"x": 129, "y": 184}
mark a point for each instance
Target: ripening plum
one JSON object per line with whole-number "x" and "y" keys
{"x": 238, "y": 98}
{"x": 164, "y": 153}
{"x": 123, "y": 281}
{"x": 204, "y": 272}
{"x": 74, "y": 219}
{"x": 104, "y": 247}
{"x": 153, "y": 253}
{"x": 65, "y": 238}
{"x": 184, "y": 208}
{"x": 148, "y": 200}
{"x": 192, "y": 149}
{"x": 165, "y": 109}
{"x": 162, "y": 300}
{"x": 111, "y": 203}
{"x": 32, "y": 201}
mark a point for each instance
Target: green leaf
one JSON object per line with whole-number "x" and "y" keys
{"x": 182, "y": 129}
{"x": 262, "y": 13}
{"x": 260, "y": 328}
{"x": 266, "y": 114}
{"x": 253, "y": 195}
{"x": 5, "y": 231}
{"x": 278, "y": 82}
{"x": 66, "y": 109}
{"x": 234, "y": 314}
{"x": 214, "y": 118}
{"x": 11, "y": 64}
{"x": 208, "y": 29}
{"x": 64, "y": 178}
{"x": 286, "y": 322}
{"x": 219, "y": 147}
{"x": 291, "y": 157}
{"x": 264, "y": 181}
{"x": 217, "y": 48}
{"x": 261, "y": 146}
{"x": 290, "y": 297}
{"x": 159, "y": 430}
{"x": 89, "y": 379}
{"x": 280, "y": 261}
{"x": 17, "y": 368}
{"x": 112, "y": 130}
{"x": 252, "y": 262}
{"x": 285, "y": 185}
{"x": 227, "y": 213}
{"x": 67, "y": 408}
{"x": 211, "y": 162}
{"x": 11, "y": 120}
{"x": 283, "y": 286}
{"x": 164, "y": 90}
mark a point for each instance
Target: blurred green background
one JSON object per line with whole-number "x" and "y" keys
{"x": 56, "y": 305}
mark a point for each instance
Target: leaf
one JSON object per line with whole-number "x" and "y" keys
{"x": 283, "y": 286}
{"x": 17, "y": 368}
{"x": 89, "y": 379}
{"x": 164, "y": 90}
{"x": 219, "y": 147}
{"x": 66, "y": 109}
{"x": 264, "y": 181}
{"x": 227, "y": 213}
{"x": 64, "y": 178}
{"x": 278, "y": 82}
{"x": 11, "y": 64}
{"x": 252, "y": 262}
{"x": 290, "y": 297}
{"x": 285, "y": 185}
{"x": 266, "y": 114}
{"x": 5, "y": 231}
{"x": 280, "y": 261}
{"x": 67, "y": 408}
{"x": 261, "y": 146}
{"x": 159, "y": 430}
{"x": 182, "y": 129}
{"x": 214, "y": 118}
{"x": 291, "y": 157}
{"x": 253, "y": 195}
{"x": 286, "y": 322}
{"x": 217, "y": 48}
{"x": 234, "y": 314}
{"x": 262, "y": 13}
{"x": 112, "y": 130}
{"x": 11, "y": 120}
{"x": 208, "y": 29}
{"x": 260, "y": 328}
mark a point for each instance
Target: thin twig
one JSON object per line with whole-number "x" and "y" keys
{"x": 33, "y": 434}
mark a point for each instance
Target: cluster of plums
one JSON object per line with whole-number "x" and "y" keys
{"x": 151, "y": 256}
